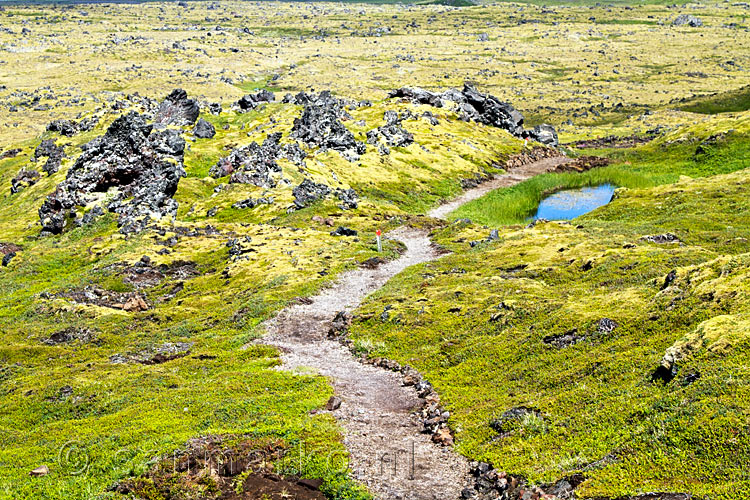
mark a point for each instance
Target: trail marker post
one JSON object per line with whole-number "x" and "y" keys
{"x": 380, "y": 245}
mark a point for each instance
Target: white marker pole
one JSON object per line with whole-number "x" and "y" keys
{"x": 380, "y": 246}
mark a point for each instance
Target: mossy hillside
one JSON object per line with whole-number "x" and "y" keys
{"x": 459, "y": 319}
{"x": 123, "y": 415}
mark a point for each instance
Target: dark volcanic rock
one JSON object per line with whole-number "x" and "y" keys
{"x": 70, "y": 334}
{"x": 566, "y": 339}
{"x": 511, "y": 419}
{"x": 349, "y": 199}
{"x": 487, "y": 109}
{"x": 418, "y": 96}
{"x": 23, "y": 179}
{"x": 343, "y": 231}
{"x": 64, "y": 127}
{"x": 176, "y": 109}
{"x": 320, "y": 126}
{"x": 308, "y": 192}
{"x": 252, "y": 164}
{"x": 54, "y": 154}
{"x": 294, "y": 154}
{"x": 144, "y": 167}
{"x": 252, "y": 202}
{"x": 252, "y": 101}
{"x": 483, "y": 108}
{"x": 204, "y": 129}
{"x": 7, "y": 258}
{"x": 9, "y": 153}
{"x": 543, "y": 134}
{"x": 392, "y": 133}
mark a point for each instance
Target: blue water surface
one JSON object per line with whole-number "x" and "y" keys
{"x": 571, "y": 203}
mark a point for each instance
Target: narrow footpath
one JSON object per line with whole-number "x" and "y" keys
{"x": 388, "y": 453}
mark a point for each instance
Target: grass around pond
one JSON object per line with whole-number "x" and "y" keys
{"x": 647, "y": 166}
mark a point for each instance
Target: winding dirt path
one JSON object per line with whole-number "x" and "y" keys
{"x": 387, "y": 451}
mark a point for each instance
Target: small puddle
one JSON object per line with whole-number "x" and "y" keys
{"x": 571, "y": 203}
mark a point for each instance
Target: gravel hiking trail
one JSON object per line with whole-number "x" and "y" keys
{"x": 388, "y": 453}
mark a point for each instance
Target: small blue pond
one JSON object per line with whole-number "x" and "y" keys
{"x": 569, "y": 204}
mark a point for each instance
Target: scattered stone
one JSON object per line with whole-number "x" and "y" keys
{"x": 252, "y": 101}
{"x": 340, "y": 323}
{"x": 176, "y": 109}
{"x": 606, "y": 325}
{"x": 252, "y": 203}
{"x": 308, "y": 192}
{"x": 294, "y": 153}
{"x": 661, "y": 238}
{"x": 343, "y": 231}
{"x": 322, "y": 220}
{"x": 23, "y": 179}
{"x": 334, "y": 403}
{"x": 54, "y": 154}
{"x": 64, "y": 127}
{"x": 91, "y": 295}
{"x": 687, "y": 20}
{"x": 214, "y": 108}
{"x": 10, "y": 153}
{"x": 40, "y": 471}
{"x": 155, "y": 356}
{"x": 252, "y": 164}
{"x": 7, "y": 258}
{"x": 443, "y": 437}
{"x": 349, "y": 199}
{"x": 613, "y": 141}
{"x": 392, "y": 133}
{"x": 543, "y": 134}
{"x": 510, "y": 419}
{"x": 142, "y": 166}
{"x": 70, "y": 334}
{"x": 204, "y": 129}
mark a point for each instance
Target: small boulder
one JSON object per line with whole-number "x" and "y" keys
{"x": 344, "y": 231}
{"x": 176, "y": 109}
{"x": 687, "y": 20}
{"x": 204, "y": 129}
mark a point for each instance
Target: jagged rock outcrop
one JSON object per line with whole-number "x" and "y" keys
{"x": 320, "y": 125}
{"x": 177, "y": 110}
{"x": 474, "y": 105}
{"x": 142, "y": 166}
{"x": 252, "y": 101}
{"x": 252, "y": 164}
